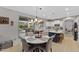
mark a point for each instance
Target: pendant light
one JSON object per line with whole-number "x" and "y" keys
{"x": 36, "y": 15}
{"x": 36, "y": 18}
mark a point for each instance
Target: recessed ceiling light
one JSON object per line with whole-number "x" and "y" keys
{"x": 44, "y": 15}
{"x": 66, "y": 9}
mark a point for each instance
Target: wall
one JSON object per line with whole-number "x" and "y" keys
{"x": 7, "y": 29}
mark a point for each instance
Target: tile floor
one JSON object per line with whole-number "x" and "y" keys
{"x": 67, "y": 45}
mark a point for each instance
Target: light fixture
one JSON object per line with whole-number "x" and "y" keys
{"x": 40, "y": 21}
{"x": 32, "y": 20}
{"x": 35, "y": 20}
{"x": 68, "y": 13}
{"x": 66, "y": 9}
{"x": 36, "y": 15}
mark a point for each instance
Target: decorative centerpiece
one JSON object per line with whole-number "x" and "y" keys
{"x": 38, "y": 34}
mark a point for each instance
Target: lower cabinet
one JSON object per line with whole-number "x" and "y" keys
{"x": 15, "y": 46}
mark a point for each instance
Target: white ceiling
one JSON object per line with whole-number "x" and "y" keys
{"x": 48, "y": 12}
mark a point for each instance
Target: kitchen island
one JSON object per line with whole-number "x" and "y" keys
{"x": 32, "y": 44}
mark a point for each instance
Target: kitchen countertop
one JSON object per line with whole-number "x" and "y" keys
{"x": 33, "y": 40}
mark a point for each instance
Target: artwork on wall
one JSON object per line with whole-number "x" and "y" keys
{"x": 4, "y": 20}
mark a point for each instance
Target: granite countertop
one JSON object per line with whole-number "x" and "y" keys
{"x": 33, "y": 40}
